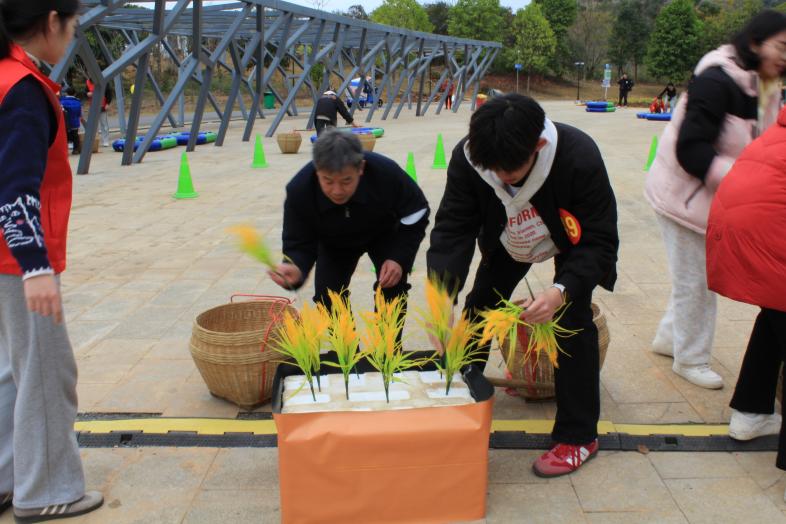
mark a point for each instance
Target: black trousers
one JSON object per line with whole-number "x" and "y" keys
{"x": 758, "y": 380}
{"x": 321, "y": 125}
{"x": 334, "y": 270}
{"x": 73, "y": 136}
{"x": 623, "y": 98}
{"x": 577, "y": 379}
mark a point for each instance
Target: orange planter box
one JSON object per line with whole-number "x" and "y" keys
{"x": 410, "y": 465}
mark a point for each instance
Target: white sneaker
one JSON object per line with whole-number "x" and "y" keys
{"x": 700, "y": 375}
{"x": 748, "y": 426}
{"x": 661, "y": 347}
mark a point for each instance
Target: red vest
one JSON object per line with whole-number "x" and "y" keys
{"x": 55, "y": 191}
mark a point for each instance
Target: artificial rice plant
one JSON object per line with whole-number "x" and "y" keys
{"x": 501, "y": 323}
{"x": 543, "y": 337}
{"x": 382, "y": 339}
{"x": 436, "y": 318}
{"x": 460, "y": 349}
{"x": 252, "y": 243}
{"x": 315, "y": 321}
{"x": 343, "y": 336}
{"x": 299, "y": 338}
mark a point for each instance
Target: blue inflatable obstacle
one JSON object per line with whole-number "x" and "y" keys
{"x": 376, "y": 131}
{"x": 661, "y": 117}
{"x": 159, "y": 143}
{"x": 603, "y": 104}
{"x": 600, "y": 107}
{"x": 204, "y": 137}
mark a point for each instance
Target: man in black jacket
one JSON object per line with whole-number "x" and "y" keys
{"x": 343, "y": 204}
{"x": 527, "y": 190}
{"x": 626, "y": 86}
{"x": 326, "y": 113}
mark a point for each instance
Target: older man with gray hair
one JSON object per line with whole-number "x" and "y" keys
{"x": 342, "y": 204}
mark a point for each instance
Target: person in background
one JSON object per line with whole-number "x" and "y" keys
{"x": 733, "y": 97}
{"x": 448, "y": 86}
{"x": 329, "y": 106}
{"x": 626, "y": 86}
{"x": 73, "y": 112}
{"x": 526, "y": 190}
{"x": 669, "y": 93}
{"x": 344, "y": 203}
{"x": 746, "y": 261}
{"x": 40, "y": 467}
{"x": 103, "y": 121}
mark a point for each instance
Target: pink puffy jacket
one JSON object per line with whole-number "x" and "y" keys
{"x": 680, "y": 196}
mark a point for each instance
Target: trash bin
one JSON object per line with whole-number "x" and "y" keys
{"x": 269, "y": 100}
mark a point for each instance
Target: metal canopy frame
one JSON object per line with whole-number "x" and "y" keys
{"x": 253, "y": 40}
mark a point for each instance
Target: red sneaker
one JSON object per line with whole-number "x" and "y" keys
{"x": 564, "y": 458}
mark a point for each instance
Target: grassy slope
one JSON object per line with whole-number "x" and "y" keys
{"x": 548, "y": 89}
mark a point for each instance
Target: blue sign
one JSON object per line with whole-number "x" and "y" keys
{"x": 518, "y": 67}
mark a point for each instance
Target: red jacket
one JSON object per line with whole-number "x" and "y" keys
{"x": 91, "y": 87}
{"x": 746, "y": 244}
{"x": 56, "y": 187}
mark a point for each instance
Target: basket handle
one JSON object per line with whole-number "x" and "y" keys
{"x": 271, "y": 298}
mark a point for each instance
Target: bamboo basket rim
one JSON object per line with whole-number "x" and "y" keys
{"x": 286, "y": 304}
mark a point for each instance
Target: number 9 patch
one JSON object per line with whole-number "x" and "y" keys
{"x": 571, "y": 225}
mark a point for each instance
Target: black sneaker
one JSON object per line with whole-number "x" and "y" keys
{"x": 5, "y": 501}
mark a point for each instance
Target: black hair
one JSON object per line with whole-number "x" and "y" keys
{"x": 504, "y": 131}
{"x": 23, "y": 18}
{"x": 336, "y": 149}
{"x": 764, "y": 25}
{"x": 70, "y": 91}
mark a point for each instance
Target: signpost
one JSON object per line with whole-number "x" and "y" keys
{"x": 606, "y": 81}
{"x": 518, "y": 68}
{"x": 578, "y": 65}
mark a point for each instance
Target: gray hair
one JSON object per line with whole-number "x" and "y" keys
{"x": 335, "y": 149}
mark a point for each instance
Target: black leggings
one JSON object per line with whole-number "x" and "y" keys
{"x": 758, "y": 380}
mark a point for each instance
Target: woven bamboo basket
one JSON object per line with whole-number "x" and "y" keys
{"x": 231, "y": 347}
{"x": 367, "y": 140}
{"x": 533, "y": 377}
{"x": 289, "y": 142}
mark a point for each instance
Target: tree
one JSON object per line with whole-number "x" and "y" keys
{"x": 561, "y": 14}
{"x": 357, "y": 12}
{"x": 674, "y": 46}
{"x": 722, "y": 19}
{"x": 629, "y": 36}
{"x": 589, "y": 35}
{"x": 478, "y": 19}
{"x": 535, "y": 41}
{"x": 507, "y": 57}
{"x": 438, "y": 15}
{"x": 407, "y": 14}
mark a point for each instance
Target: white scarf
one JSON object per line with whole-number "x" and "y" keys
{"x": 525, "y": 237}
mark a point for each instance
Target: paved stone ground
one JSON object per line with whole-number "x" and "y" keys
{"x": 143, "y": 265}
